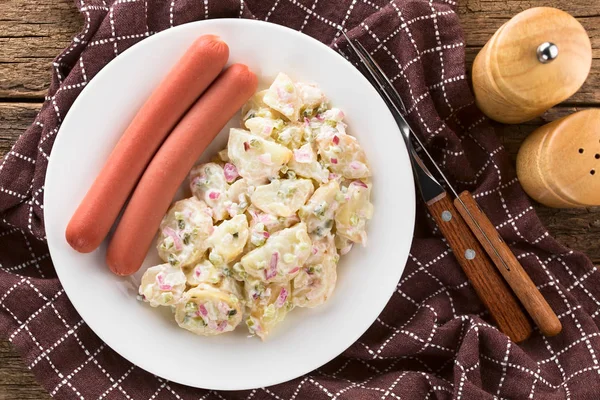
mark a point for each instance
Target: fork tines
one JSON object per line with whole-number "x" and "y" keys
{"x": 375, "y": 71}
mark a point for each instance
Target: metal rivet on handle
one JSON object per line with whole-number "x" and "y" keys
{"x": 470, "y": 254}
{"x": 547, "y": 52}
{"x": 446, "y": 216}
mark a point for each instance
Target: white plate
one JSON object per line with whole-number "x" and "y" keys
{"x": 150, "y": 338}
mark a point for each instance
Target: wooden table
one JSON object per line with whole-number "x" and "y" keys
{"x": 32, "y": 32}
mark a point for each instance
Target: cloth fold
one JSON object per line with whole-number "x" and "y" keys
{"x": 433, "y": 340}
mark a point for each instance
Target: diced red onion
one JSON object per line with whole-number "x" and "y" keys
{"x": 294, "y": 270}
{"x": 334, "y": 161}
{"x": 303, "y": 156}
{"x": 356, "y": 165}
{"x": 274, "y": 260}
{"x": 214, "y": 195}
{"x": 221, "y": 326}
{"x": 360, "y": 183}
{"x": 271, "y": 272}
{"x": 281, "y": 298}
{"x": 202, "y": 310}
{"x": 161, "y": 282}
{"x": 231, "y": 172}
{"x": 336, "y": 140}
{"x": 246, "y": 146}
{"x": 168, "y": 231}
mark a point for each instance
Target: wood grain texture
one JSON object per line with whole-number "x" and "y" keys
{"x": 508, "y": 265}
{"x": 511, "y": 85}
{"x": 481, "y": 18}
{"x": 483, "y": 275}
{"x": 14, "y": 119}
{"x": 33, "y": 32}
{"x": 16, "y": 381}
{"x": 558, "y": 162}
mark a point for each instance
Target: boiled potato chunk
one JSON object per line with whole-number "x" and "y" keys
{"x": 319, "y": 212}
{"x": 281, "y": 257}
{"x": 352, "y": 216}
{"x": 203, "y": 272}
{"x": 267, "y": 305}
{"x": 256, "y": 158}
{"x": 343, "y": 155}
{"x": 228, "y": 240}
{"x": 282, "y": 197}
{"x": 207, "y": 310}
{"x": 183, "y": 232}
{"x": 162, "y": 285}
{"x": 208, "y": 183}
{"x": 316, "y": 280}
{"x": 282, "y": 96}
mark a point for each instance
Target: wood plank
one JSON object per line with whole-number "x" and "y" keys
{"x": 14, "y": 119}
{"x": 16, "y": 381}
{"x": 32, "y": 33}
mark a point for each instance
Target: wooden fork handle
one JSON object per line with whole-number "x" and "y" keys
{"x": 485, "y": 278}
{"x": 501, "y": 255}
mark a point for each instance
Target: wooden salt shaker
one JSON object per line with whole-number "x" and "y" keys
{"x": 536, "y": 60}
{"x": 559, "y": 163}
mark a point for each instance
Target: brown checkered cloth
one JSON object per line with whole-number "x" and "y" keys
{"x": 433, "y": 340}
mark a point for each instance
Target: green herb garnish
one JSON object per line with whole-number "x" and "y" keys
{"x": 173, "y": 260}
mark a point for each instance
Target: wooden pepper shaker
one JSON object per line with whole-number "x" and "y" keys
{"x": 559, "y": 163}
{"x": 536, "y": 60}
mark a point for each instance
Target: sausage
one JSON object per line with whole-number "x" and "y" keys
{"x": 171, "y": 164}
{"x": 187, "y": 80}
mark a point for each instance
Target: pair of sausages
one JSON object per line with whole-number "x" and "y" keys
{"x": 156, "y": 164}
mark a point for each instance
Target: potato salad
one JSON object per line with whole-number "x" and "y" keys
{"x": 268, "y": 218}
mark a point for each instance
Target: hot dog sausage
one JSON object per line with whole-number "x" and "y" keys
{"x": 193, "y": 73}
{"x": 169, "y": 167}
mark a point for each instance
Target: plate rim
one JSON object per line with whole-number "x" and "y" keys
{"x": 410, "y": 208}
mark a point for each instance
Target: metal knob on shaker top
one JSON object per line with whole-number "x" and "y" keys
{"x": 536, "y": 60}
{"x": 547, "y": 52}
